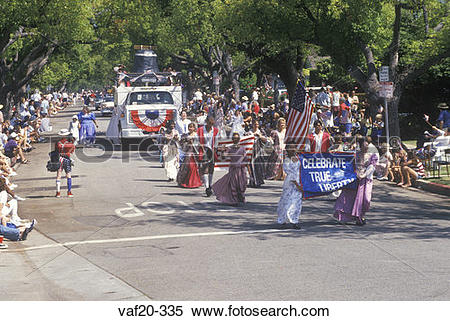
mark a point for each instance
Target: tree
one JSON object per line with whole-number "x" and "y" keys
{"x": 360, "y": 35}
{"x": 31, "y": 31}
{"x": 270, "y": 33}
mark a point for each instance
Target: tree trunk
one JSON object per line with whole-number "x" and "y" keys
{"x": 236, "y": 86}
{"x": 394, "y": 122}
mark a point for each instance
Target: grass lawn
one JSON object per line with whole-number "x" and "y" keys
{"x": 444, "y": 179}
{"x": 410, "y": 143}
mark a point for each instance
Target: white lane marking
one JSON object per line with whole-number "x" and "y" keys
{"x": 136, "y": 212}
{"x": 145, "y": 238}
{"x": 150, "y": 204}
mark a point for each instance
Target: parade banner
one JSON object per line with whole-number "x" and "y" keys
{"x": 324, "y": 173}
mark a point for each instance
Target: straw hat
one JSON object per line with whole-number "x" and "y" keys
{"x": 245, "y": 98}
{"x": 64, "y": 132}
{"x": 442, "y": 106}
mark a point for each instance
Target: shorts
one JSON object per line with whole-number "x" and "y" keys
{"x": 66, "y": 164}
{"x": 207, "y": 163}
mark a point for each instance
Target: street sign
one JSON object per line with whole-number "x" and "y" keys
{"x": 384, "y": 73}
{"x": 386, "y": 89}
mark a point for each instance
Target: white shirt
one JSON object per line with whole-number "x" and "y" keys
{"x": 255, "y": 96}
{"x": 318, "y": 140}
{"x": 198, "y": 95}
{"x": 182, "y": 126}
{"x": 336, "y": 96}
{"x": 209, "y": 137}
{"x": 201, "y": 120}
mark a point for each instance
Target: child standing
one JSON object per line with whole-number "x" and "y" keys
{"x": 74, "y": 129}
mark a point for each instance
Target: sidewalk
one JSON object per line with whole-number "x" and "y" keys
{"x": 52, "y": 272}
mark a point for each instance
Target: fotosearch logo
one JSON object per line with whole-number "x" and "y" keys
{"x": 151, "y": 150}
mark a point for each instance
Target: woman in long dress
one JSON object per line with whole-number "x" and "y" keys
{"x": 352, "y": 205}
{"x": 290, "y": 204}
{"x": 170, "y": 151}
{"x": 274, "y": 168}
{"x": 257, "y": 165}
{"x": 88, "y": 126}
{"x": 188, "y": 175}
{"x": 230, "y": 189}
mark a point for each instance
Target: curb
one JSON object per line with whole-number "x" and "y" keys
{"x": 434, "y": 187}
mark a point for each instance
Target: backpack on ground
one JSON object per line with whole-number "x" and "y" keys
{"x": 53, "y": 164}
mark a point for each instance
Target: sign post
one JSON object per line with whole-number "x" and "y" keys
{"x": 386, "y": 91}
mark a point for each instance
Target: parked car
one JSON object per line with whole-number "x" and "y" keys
{"x": 97, "y": 101}
{"x": 107, "y": 105}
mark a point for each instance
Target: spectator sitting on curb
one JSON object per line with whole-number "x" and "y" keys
{"x": 412, "y": 169}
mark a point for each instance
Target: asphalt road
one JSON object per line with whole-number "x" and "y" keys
{"x": 130, "y": 235}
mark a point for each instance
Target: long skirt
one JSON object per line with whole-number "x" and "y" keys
{"x": 274, "y": 167}
{"x": 171, "y": 164}
{"x": 230, "y": 189}
{"x": 87, "y": 132}
{"x": 257, "y": 171}
{"x": 290, "y": 204}
{"x": 188, "y": 175}
{"x": 352, "y": 205}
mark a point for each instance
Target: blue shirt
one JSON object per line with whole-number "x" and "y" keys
{"x": 445, "y": 117}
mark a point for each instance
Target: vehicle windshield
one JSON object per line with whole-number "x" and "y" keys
{"x": 152, "y": 97}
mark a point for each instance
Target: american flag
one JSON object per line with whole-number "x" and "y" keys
{"x": 299, "y": 117}
{"x": 246, "y": 141}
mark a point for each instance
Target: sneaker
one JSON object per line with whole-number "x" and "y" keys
{"x": 13, "y": 174}
{"x": 13, "y": 186}
{"x": 208, "y": 192}
{"x": 69, "y": 194}
{"x": 17, "y": 197}
{"x": 28, "y": 230}
{"x": 3, "y": 246}
{"x": 58, "y": 194}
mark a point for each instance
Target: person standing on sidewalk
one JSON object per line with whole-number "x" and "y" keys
{"x": 65, "y": 147}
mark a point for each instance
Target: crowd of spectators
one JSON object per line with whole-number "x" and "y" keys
{"x": 339, "y": 119}
{"x": 18, "y": 133}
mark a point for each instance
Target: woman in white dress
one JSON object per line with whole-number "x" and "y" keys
{"x": 170, "y": 152}
{"x": 290, "y": 204}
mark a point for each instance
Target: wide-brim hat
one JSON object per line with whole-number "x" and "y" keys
{"x": 1, "y": 106}
{"x": 64, "y": 132}
{"x": 245, "y": 98}
{"x": 75, "y": 117}
{"x": 442, "y": 106}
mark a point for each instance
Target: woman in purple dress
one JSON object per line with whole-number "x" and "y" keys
{"x": 230, "y": 189}
{"x": 352, "y": 205}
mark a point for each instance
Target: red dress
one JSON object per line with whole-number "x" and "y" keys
{"x": 188, "y": 175}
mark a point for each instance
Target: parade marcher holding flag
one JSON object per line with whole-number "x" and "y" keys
{"x": 230, "y": 189}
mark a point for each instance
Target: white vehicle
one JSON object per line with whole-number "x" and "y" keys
{"x": 107, "y": 105}
{"x": 142, "y": 111}
{"x": 143, "y": 104}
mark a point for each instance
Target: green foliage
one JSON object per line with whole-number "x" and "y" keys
{"x": 331, "y": 74}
